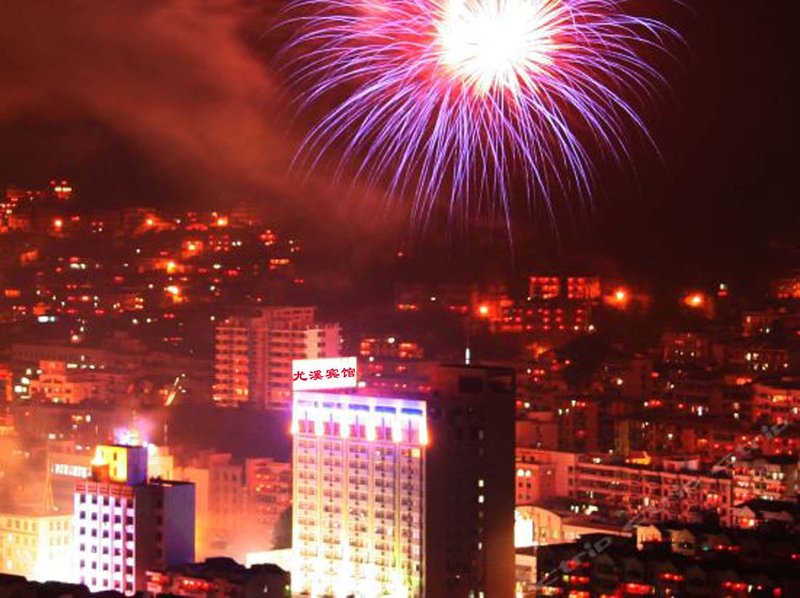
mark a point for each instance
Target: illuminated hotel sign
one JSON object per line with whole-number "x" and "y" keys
{"x": 324, "y": 374}
{"x": 73, "y": 471}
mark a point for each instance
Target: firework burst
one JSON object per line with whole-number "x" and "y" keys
{"x": 466, "y": 100}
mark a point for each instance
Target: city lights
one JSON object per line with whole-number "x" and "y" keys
{"x": 224, "y": 371}
{"x": 620, "y": 298}
{"x": 386, "y": 409}
{"x": 695, "y": 300}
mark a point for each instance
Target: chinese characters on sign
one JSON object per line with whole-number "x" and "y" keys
{"x": 323, "y": 374}
{"x": 303, "y": 376}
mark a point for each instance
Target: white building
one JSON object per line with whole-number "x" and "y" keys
{"x": 36, "y": 545}
{"x": 124, "y": 524}
{"x": 358, "y": 495}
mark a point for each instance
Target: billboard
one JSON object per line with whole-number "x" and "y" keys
{"x": 324, "y": 374}
{"x": 71, "y": 471}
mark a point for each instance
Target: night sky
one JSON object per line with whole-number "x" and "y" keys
{"x": 180, "y": 102}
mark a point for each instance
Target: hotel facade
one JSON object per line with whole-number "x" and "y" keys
{"x": 359, "y": 495}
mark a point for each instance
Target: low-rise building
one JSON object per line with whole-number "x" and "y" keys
{"x": 776, "y": 400}
{"x": 600, "y": 565}
{"x": 760, "y": 512}
{"x": 667, "y": 489}
{"x": 772, "y": 478}
{"x": 220, "y": 503}
{"x": 269, "y": 495}
{"x": 36, "y": 545}
{"x": 220, "y": 578}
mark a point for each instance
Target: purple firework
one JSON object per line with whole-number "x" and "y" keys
{"x": 454, "y": 99}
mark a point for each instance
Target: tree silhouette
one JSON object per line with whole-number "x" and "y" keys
{"x": 282, "y": 535}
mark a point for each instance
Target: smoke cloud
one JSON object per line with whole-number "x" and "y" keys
{"x": 184, "y": 89}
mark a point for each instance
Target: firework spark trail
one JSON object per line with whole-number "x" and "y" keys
{"x": 450, "y": 98}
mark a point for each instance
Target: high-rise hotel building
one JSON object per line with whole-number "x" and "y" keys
{"x": 254, "y": 352}
{"x": 359, "y": 495}
{"x": 125, "y": 524}
{"x": 407, "y": 497}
